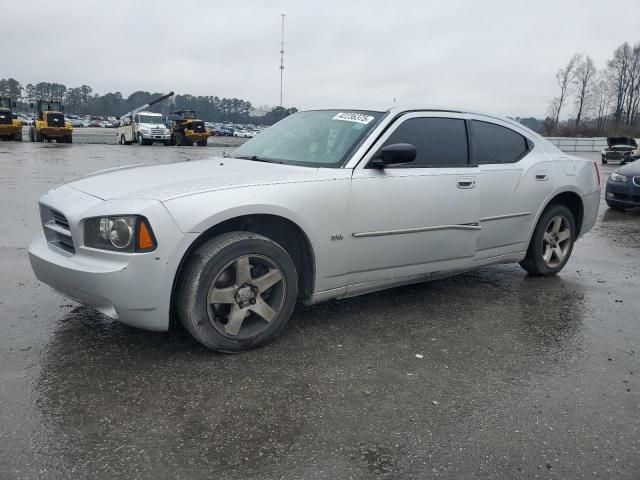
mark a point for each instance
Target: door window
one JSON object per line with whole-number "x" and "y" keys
{"x": 496, "y": 144}
{"x": 439, "y": 142}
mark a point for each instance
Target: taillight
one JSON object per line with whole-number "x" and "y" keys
{"x": 595, "y": 164}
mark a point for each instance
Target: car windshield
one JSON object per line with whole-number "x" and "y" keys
{"x": 150, "y": 119}
{"x": 5, "y": 103}
{"x": 319, "y": 138}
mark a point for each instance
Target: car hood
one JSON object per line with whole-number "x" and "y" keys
{"x": 630, "y": 169}
{"x": 165, "y": 182}
{"x": 619, "y": 141}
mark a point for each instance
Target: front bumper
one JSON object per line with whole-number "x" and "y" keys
{"x": 623, "y": 193}
{"x": 152, "y": 136}
{"x": 134, "y": 288}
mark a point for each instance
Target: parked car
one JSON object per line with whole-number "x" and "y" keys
{"x": 242, "y": 133}
{"x": 325, "y": 204}
{"x": 620, "y": 149}
{"x": 623, "y": 187}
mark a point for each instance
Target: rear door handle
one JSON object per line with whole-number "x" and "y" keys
{"x": 466, "y": 182}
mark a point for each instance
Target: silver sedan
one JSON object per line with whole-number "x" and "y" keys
{"x": 325, "y": 204}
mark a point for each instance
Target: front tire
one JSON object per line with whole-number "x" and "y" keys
{"x": 237, "y": 291}
{"x": 552, "y": 242}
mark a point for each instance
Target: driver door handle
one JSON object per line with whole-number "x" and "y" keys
{"x": 466, "y": 182}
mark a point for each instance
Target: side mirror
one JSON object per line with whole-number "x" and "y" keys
{"x": 31, "y": 105}
{"x": 395, "y": 154}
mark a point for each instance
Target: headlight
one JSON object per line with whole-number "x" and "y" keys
{"x": 144, "y": 130}
{"x": 126, "y": 233}
{"x": 616, "y": 177}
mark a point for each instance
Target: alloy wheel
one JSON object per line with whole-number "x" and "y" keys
{"x": 556, "y": 241}
{"x": 245, "y": 296}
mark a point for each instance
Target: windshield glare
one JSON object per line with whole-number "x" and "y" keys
{"x": 150, "y": 119}
{"x": 319, "y": 138}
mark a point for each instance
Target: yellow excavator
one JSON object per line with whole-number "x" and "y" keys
{"x": 49, "y": 123}
{"x": 10, "y": 126}
{"x": 186, "y": 129}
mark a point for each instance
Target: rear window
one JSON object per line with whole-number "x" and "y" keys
{"x": 497, "y": 144}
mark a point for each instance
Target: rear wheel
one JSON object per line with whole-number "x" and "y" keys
{"x": 552, "y": 242}
{"x": 32, "y": 135}
{"x": 237, "y": 291}
{"x": 122, "y": 140}
{"x": 202, "y": 143}
{"x": 17, "y": 137}
{"x": 604, "y": 162}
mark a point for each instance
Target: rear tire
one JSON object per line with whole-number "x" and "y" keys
{"x": 604, "y": 162}
{"x": 202, "y": 143}
{"x": 17, "y": 137}
{"x": 236, "y": 291}
{"x": 552, "y": 242}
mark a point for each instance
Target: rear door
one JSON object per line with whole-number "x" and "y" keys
{"x": 516, "y": 179}
{"x": 410, "y": 220}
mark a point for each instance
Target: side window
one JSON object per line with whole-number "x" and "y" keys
{"x": 496, "y": 144}
{"x": 440, "y": 142}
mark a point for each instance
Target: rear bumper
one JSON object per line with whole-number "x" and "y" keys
{"x": 10, "y": 129}
{"x": 55, "y": 131}
{"x": 591, "y": 204}
{"x": 197, "y": 137}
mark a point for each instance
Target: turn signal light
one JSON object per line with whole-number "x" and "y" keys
{"x": 145, "y": 237}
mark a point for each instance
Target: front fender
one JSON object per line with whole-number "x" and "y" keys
{"x": 317, "y": 208}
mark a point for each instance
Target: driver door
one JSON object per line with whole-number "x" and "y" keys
{"x": 409, "y": 221}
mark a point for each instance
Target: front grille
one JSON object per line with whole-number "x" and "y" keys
{"x": 56, "y": 229}
{"x": 55, "y": 120}
{"x": 5, "y": 118}
{"x": 198, "y": 127}
{"x": 157, "y": 131}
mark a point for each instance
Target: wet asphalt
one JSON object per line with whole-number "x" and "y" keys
{"x": 490, "y": 374}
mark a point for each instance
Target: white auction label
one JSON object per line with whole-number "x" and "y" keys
{"x": 353, "y": 117}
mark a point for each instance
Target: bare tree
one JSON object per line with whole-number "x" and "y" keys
{"x": 604, "y": 97}
{"x": 564, "y": 76}
{"x": 583, "y": 81}
{"x": 553, "y": 112}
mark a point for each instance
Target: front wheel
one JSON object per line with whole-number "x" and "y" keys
{"x": 552, "y": 242}
{"x": 237, "y": 291}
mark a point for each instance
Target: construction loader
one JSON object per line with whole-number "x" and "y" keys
{"x": 49, "y": 123}
{"x": 186, "y": 129}
{"x": 10, "y": 126}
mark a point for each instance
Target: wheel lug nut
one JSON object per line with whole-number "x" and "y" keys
{"x": 252, "y": 301}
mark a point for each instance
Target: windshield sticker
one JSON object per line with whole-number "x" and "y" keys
{"x": 353, "y": 117}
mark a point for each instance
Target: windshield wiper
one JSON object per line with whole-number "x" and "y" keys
{"x": 255, "y": 158}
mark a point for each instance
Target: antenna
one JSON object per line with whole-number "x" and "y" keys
{"x": 281, "y": 59}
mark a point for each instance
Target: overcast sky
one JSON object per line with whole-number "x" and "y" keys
{"x": 494, "y": 56}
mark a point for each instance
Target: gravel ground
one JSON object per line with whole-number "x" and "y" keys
{"x": 490, "y": 374}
